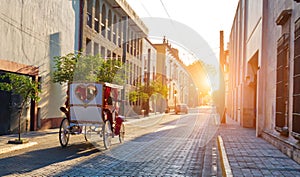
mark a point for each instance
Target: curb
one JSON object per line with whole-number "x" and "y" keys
{"x": 226, "y": 169}
{"x": 17, "y": 147}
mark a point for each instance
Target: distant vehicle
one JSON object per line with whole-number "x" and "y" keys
{"x": 181, "y": 108}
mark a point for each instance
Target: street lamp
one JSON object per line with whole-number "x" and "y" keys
{"x": 147, "y": 79}
{"x": 175, "y": 93}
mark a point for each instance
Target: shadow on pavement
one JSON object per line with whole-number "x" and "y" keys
{"x": 33, "y": 160}
{"x": 172, "y": 151}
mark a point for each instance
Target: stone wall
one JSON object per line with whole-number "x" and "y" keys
{"x": 285, "y": 145}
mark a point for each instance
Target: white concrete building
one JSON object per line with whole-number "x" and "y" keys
{"x": 112, "y": 29}
{"x": 149, "y": 55}
{"x": 264, "y": 71}
{"x": 172, "y": 72}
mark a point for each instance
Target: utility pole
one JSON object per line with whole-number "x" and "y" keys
{"x": 221, "y": 92}
{"x": 148, "y": 81}
{"x": 125, "y": 41}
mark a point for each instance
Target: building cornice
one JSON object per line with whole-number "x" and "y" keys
{"x": 283, "y": 17}
{"x": 133, "y": 16}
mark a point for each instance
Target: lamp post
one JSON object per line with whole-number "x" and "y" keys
{"x": 147, "y": 79}
{"x": 124, "y": 52}
{"x": 175, "y": 93}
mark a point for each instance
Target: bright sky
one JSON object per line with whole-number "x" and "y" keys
{"x": 206, "y": 17}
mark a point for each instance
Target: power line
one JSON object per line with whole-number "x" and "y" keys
{"x": 144, "y": 7}
{"x": 162, "y": 3}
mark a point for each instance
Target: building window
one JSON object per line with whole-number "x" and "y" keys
{"x": 153, "y": 73}
{"x": 296, "y": 94}
{"x": 114, "y": 56}
{"x": 120, "y": 58}
{"x": 97, "y": 16}
{"x": 128, "y": 41}
{"x": 131, "y": 73}
{"x": 282, "y": 73}
{"x": 120, "y": 34}
{"x": 109, "y": 55}
{"x": 88, "y": 46}
{"x": 89, "y": 13}
{"x": 282, "y": 76}
{"x": 103, "y": 52}
{"x": 96, "y": 48}
{"x": 131, "y": 43}
{"x": 115, "y": 27}
{"x": 103, "y": 21}
{"x": 134, "y": 79}
{"x": 109, "y": 29}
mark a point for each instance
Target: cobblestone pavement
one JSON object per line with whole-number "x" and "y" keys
{"x": 173, "y": 145}
{"x": 250, "y": 156}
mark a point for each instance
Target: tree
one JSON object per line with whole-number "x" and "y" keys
{"x": 20, "y": 85}
{"x": 144, "y": 92}
{"x": 158, "y": 88}
{"x": 87, "y": 68}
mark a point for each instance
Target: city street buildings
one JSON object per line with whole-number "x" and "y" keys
{"x": 32, "y": 33}
{"x": 172, "y": 72}
{"x": 263, "y": 84}
{"x": 149, "y": 71}
{"x": 36, "y": 31}
{"x": 113, "y": 30}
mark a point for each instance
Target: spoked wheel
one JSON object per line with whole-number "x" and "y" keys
{"x": 87, "y": 133}
{"x": 107, "y": 134}
{"x": 122, "y": 133}
{"x": 64, "y": 132}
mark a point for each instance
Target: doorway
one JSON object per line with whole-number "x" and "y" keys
{"x": 250, "y": 93}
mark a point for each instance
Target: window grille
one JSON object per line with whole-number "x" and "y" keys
{"x": 296, "y": 94}
{"x": 282, "y": 75}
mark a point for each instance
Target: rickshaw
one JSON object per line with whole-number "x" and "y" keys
{"x": 92, "y": 108}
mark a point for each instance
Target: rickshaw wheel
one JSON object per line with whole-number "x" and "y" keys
{"x": 86, "y": 133}
{"x": 122, "y": 133}
{"x": 64, "y": 132}
{"x": 107, "y": 134}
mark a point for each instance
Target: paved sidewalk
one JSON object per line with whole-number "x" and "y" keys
{"x": 34, "y": 137}
{"x": 249, "y": 155}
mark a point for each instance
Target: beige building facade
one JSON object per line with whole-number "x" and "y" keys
{"x": 112, "y": 29}
{"x": 32, "y": 33}
{"x": 173, "y": 73}
{"x": 263, "y": 89}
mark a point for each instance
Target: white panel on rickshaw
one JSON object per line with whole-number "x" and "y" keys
{"x": 86, "y": 94}
{"x": 86, "y": 114}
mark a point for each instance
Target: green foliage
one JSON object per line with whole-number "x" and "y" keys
{"x": 158, "y": 87}
{"x": 64, "y": 67}
{"x": 23, "y": 86}
{"x": 87, "y": 68}
{"x": 112, "y": 71}
{"x": 20, "y": 85}
{"x": 144, "y": 93}
{"x": 133, "y": 96}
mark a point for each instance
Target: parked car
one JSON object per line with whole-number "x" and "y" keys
{"x": 181, "y": 108}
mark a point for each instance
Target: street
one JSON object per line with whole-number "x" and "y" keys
{"x": 167, "y": 145}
